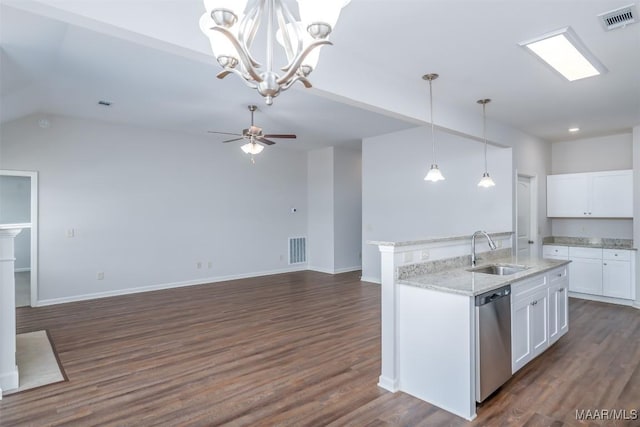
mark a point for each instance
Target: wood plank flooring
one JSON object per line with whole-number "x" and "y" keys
{"x": 298, "y": 349}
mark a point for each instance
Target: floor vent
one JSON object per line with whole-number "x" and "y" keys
{"x": 619, "y": 18}
{"x": 297, "y": 250}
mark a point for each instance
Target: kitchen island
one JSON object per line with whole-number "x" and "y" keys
{"x": 429, "y": 317}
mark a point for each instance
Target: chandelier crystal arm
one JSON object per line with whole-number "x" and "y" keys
{"x": 297, "y": 78}
{"x": 249, "y": 27}
{"x": 244, "y": 55}
{"x": 224, "y": 73}
{"x": 297, "y": 61}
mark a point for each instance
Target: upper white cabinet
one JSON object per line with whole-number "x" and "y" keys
{"x": 590, "y": 195}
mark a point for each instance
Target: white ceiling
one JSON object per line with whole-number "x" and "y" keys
{"x": 150, "y": 59}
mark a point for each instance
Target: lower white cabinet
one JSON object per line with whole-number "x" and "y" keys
{"x": 600, "y": 272}
{"x": 616, "y": 274}
{"x": 539, "y": 315}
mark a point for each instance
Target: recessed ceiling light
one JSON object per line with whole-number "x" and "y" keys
{"x": 574, "y": 129}
{"x": 566, "y": 54}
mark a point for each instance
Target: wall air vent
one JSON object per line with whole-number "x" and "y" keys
{"x": 297, "y": 250}
{"x": 619, "y": 17}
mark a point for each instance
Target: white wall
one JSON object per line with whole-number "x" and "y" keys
{"x": 347, "y": 209}
{"x": 605, "y": 153}
{"x": 398, "y": 205}
{"x": 592, "y": 154}
{"x": 335, "y": 209}
{"x": 320, "y": 203}
{"x": 147, "y": 205}
{"x": 15, "y": 207}
{"x": 636, "y": 206}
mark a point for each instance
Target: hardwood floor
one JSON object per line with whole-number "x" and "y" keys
{"x": 294, "y": 349}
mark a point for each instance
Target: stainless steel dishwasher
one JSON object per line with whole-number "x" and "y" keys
{"x": 493, "y": 341}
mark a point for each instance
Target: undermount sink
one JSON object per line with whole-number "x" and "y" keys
{"x": 499, "y": 269}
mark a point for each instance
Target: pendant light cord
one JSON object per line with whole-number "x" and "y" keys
{"x": 484, "y": 134}
{"x": 433, "y": 138}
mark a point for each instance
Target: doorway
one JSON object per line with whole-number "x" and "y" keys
{"x": 526, "y": 216}
{"x": 19, "y": 202}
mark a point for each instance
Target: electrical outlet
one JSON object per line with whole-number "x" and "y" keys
{"x": 199, "y": 264}
{"x": 209, "y": 264}
{"x": 100, "y": 275}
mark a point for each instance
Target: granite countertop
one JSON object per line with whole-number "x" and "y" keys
{"x": 464, "y": 282}
{"x": 590, "y": 242}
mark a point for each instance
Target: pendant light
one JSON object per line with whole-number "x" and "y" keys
{"x": 486, "y": 181}
{"x": 434, "y": 174}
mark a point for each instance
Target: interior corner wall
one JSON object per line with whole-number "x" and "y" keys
{"x": 347, "y": 209}
{"x": 398, "y": 205}
{"x": 613, "y": 152}
{"x": 151, "y": 208}
{"x": 320, "y": 226}
{"x": 636, "y": 206}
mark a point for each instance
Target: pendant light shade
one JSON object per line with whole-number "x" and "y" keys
{"x": 252, "y": 148}
{"x": 434, "y": 174}
{"x": 486, "y": 181}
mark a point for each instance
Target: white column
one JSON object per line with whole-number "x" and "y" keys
{"x": 389, "y": 369}
{"x": 8, "y": 367}
{"x": 636, "y": 207}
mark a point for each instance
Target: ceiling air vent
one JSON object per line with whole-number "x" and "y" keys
{"x": 619, "y": 18}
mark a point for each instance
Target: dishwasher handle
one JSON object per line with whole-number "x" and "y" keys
{"x": 494, "y": 295}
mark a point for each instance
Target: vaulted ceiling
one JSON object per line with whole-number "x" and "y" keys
{"x": 152, "y": 62}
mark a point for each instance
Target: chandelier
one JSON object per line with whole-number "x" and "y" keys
{"x": 232, "y": 25}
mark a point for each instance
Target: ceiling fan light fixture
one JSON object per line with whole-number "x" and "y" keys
{"x": 252, "y": 148}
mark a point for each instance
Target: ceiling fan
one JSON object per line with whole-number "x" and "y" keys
{"x": 254, "y": 135}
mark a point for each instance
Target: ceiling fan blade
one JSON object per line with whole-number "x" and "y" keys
{"x": 232, "y": 140}
{"x": 264, "y": 140}
{"x": 224, "y": 133}
{"x": 290, "y": 136}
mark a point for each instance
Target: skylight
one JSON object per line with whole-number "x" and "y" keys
{"x": 565, "y": 53}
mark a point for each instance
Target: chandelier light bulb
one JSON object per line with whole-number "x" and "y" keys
{"x": 252, "y": 148}
{"x": 434, "y": 174}
{"x": 486, "y": 181}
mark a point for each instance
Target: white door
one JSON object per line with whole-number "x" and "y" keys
{"x": 539, "y": 326}
{"x": 523, "y": 226}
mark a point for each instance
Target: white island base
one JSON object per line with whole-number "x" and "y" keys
{"x": 429, "y": 317}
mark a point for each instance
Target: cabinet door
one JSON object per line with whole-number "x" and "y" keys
{"x": 558, "y": 311}
{"x": 586, "y": 275}
{"x": 539, "y": 318}
{"x": 567, "y": 195}
{"x": 521, "y": 351}
{"x": 612, "y": 194}
{"x": 616, "y": 279}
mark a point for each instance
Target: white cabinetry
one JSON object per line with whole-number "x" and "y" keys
{"x": 586, "y": 270}
{"x": 590, "y": 195}
{"x": 538, "y": 315}
{"x": 558, "y": 304}
{"x": 616, "y": 274}
{"x": 599, "y": 272}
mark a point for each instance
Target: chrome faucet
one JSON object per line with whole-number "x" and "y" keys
{"x": 492, "y": 245}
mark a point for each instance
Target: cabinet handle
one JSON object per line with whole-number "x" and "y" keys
{"x": 561, "y": 290}
{"x": 559, "y": 274}
{"x": 585, "y": 213}
{"x": 605, "y": 263}
{"x": 615, "y": 254}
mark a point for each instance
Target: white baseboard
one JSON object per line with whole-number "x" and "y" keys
{"x": 598, "y": 298}
{"x": 371, "y": 279}
{"x": 9, "y": 380}
{"x": 161, "y": 286}
{"x": 388, "y": 384}
{"x": 335, "y": 271}
{"x": 21, "y": 270}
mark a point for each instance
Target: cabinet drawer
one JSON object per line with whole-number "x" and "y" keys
{"x": 523, "y": 288}
{"x": 558, "y": 274}
{"x": 594, "y": 253}
{"x": 555, "y": 251}
{"x": 616, "y": 254}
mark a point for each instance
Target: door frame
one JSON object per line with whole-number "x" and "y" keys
{"x": 533, "y": 214}
{"x": 34, "y": 229}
